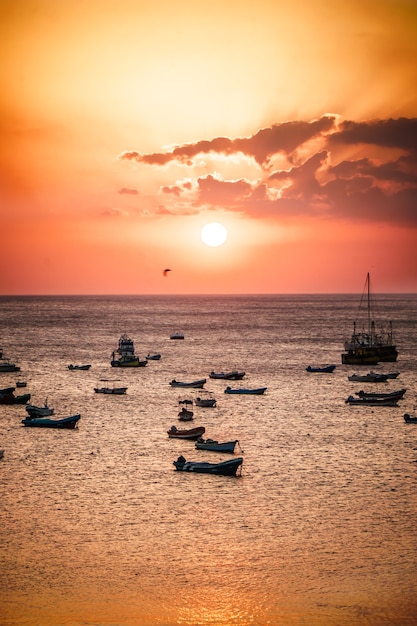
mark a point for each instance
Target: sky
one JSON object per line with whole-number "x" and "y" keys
{"x": 128, "y": 125}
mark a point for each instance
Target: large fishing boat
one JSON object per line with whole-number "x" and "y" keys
{"x": 368, "y": 345}
{"x": 127, "y": 357}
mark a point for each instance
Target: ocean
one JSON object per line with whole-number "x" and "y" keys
{"x": 96, "y": 526}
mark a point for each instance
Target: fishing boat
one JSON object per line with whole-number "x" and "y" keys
{"x": 126, "y": 352}
{"x": 185, "y": 415}
{"x": 215, "y": 446}
{"x": 192, "y": 433}
{"x": 44, "y": 422}
{"x": 118, "y": 391}
{"x": 79, "y": 367}
{"x": 1, "y": 454}
{"x": 39, "y": 411}
{"x": 195, "y": 384}
{"x": 327, "y": 369}
{"x": 8, "y": 366}
{"x": 368, "y": 346}
{"x": 375, "y": 394}
{"x": 372, "y": 401}
{"x": 224, "y": 468}
{"x": 410, "y": 419}
{"x": 153, "y": 357}
{"x": 371, "y": 377}
{"x": 205, "y": 402}
{"x": 177, "y": 336}
{"x": 233, "y": 375}
{"x": 257, "y": 392}
{"x": 10, "y": 398}
{"x": 21, "y": 383}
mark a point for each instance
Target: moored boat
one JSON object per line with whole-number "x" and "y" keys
{"x": 195, "y": 384}
{"x": 205, "y": 402}
{"x": 127, "y": 357}
{"x": 44, "y": 422}
{"x": 369, "y": 346}
{"x": 215, "y": 446}
{"x": 233, "y": 375}
{"x": 257, "y": 391}
{"x": 39, "y": 411}
{"x": 374, "y": 394}
{"x": 177, "y": 336}
{"x": 328, "y": 369}
{"x": 371, "y": 377}
{"x": 185, "y": 415}
{"x": 372, "y": 401}
{"x": 118, "y": 391}
{"x": 224, "y": 468}
{"x": 192, "y": 433}
{"x": 8, "y": 366}
{"x": 410, "y": 419}
{"x": 153, "y": 357}
{"x": 79, "y": 367}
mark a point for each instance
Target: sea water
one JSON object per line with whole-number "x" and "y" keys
{"x": 98, "y": 528}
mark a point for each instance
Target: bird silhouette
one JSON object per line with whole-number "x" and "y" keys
{"x": 165, "y": 272}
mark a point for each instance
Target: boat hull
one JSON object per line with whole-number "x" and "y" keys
{"x": 44, "y": 422}
{"x": 215, "y": 446}
{"x": 409, "y": 419}
{"x": 192, "y": 433}
{"x": 252, "y": 392}
{"x": 225, "y": 468}
{"x": 135, "y": 362}
{"x": 196, "y": 384}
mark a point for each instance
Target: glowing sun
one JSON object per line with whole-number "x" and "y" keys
{"x": 213, "y": 234}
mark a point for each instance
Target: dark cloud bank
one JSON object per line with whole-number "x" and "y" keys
{"x": 378, "y": 184}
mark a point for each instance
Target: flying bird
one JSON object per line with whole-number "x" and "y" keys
{"x": 165, "y": 272}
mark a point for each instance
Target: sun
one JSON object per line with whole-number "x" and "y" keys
{"x": 213, "y": 234}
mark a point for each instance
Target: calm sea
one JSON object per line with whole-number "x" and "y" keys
{"x": 97, "y": 528}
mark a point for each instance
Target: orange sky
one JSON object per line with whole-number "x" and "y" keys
{"x": 127, "y": 125}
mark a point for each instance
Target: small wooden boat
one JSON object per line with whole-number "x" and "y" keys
{"x": 177, "y": 336}
{"x": 20, "y": 383}
{"x": 8, "y": 366}
{"x": 153, "y": 357}
{"x": 375, "y": 394}
{"x": 23, "y": 399}
{"x": 7, "y": 391}
{"x": 410, "y": 419}
{"x": 215, "y": 446}
{"x": 111, "y": 390}
{"x": 45, "y": 422}
{"x": 205, "y": 402}
{"x": 1, "y": 454}
{"x": 392, "y": 374}
{"x": 39, "y": 411}
{"x": 192, "y": 433}
{"x": 233, "y": 375}
{"x": 195, "y": 384}
{"x": 224, "y": 468}
{"x": 328, "y": 369}
{"x": 256, "y": 392}
{"x": 185, "y": 415}
{"x": 372, "y": 401}
{"x": 371, "y": 377}
{"x": 79, "y": 367}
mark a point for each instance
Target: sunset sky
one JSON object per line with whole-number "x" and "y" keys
{"x": 127, "y": 125}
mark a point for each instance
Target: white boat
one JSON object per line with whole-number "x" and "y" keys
{"x": 127, "y": 358}
{"x": 111, "y": 390}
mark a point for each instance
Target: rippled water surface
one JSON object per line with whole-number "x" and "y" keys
{"x": 97, "y": 527}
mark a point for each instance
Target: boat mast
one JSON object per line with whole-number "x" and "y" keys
{"x": 368, "y": 280}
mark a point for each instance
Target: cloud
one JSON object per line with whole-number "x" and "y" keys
{"x": 126, "y": 190}
{"x": 377, "y": 184}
